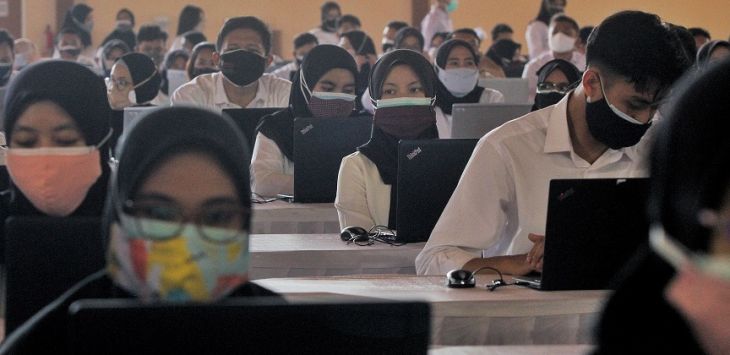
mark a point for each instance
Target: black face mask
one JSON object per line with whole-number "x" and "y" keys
{"x": 387, "y": 47}
{"x": 548, "y": 99}
{"x": 242, "y": 67}
{"x": 609, "y": 128}
{"x": 329, "y": 25}
{"x": 204, "y": 70}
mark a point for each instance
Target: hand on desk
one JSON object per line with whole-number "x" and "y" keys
{"x": 534, "y": 256}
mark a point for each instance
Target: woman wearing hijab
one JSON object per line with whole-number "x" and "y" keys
{"x": 201, "y": 60}
{"x": 361, "y": 47}
{"x": 712, "y": 52}
{"x": 147, "y": 221}
{"x": 57, "y": 133}
{"x": 680, "y": 282}
{"x": 457, "y": 69}
{"x": 79, "y": 18}
{"x": 409, "y": 38}
{"x": 505, "y": 54}
{"x": 134, "y": 81}
{"x": 173, "y": 75}
{"x": 403, "y": 88}
{"x": 326, "y": 90}
{"x": 554, "y": 80}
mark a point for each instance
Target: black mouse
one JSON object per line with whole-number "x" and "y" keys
{"x": 354, "y": 233}
{"x": 460, "y": 278}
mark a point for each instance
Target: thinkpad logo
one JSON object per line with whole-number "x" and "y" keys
{"x": 414, "y": 153}
{"x": 307, "y": 129}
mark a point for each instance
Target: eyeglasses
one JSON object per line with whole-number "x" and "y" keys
{"x": 157, "y": 220}
{"x": 120, "y": 84}
{"x": 544, "y": 88}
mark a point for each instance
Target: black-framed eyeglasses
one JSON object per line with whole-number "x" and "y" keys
{"x": 161, "y": 220}
{"x": 544, "y": 88}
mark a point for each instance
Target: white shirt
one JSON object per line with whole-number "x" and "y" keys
{"x": 503, "y": 192}
{"x": 531, "y": 68}
{"x": 443, "y": 121}
{"x": 363, "y": 199}
{"x": 324, "y": 37}
{"x": 207, "y": 91}
{"x": 271, "y": 171}
{"x": 284, "y": 72}
{"x": 437, "y": 20}
{"x": 537, "y": 38}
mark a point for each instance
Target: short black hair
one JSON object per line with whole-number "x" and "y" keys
{"x": 7, "y": 38}
{"x": 348, "y": 19}
{"x": 686, "y": 40}
{"x": 194, "y": 37}
{"x": 500, "y": 28}
{"x": 637, "y": 46}
{"x": 66, "y": 31}
{"x": 245, "y": 22}
{"x": 406, "y": 32}
{"x": 699, "y": 31}
{"x": 329, "y": 5}
{"x": 566, "y": 19}
{"x": 396, "y": 25}
{"x": 584, "y": 32}
{"x": 465, "y": 30}
{"x": 151, "y": 32}
{"x": 305, "y": 38}
{"x": 128, "y": 12}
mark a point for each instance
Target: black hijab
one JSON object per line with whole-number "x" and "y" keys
{"x": 444, "y": 99}
{"x": 279, "y": 126}
{"x": 502, "y": 53}
{"x": 363, "y": 45}
{"x": 704, "y": 53}
{"x": 142, "y": 68}
{"x": 79, "y": 92}
{"x": 75, "y": 18}
{"x": 571, "y": 72}
{"x": 382, "y": 148}
{"x": 406, "y": 32}
{"x": 168, "y": 131}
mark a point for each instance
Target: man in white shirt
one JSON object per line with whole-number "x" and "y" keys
{"x": 326, "y": 33}
{"x": 7, "y": 58}
{"x": 563, "y": 33}
{"x": 303, "y": 43}
{"x": 243, "y": 51}
{"x": 496, "y": 216}
{"x": 437, "y": 20}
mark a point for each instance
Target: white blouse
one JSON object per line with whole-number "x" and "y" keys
{"x": 443, "y": 121}
{"x": 537, "y": 38}
{"x": 271, "y": 171}
{"x": 363, "y": 199}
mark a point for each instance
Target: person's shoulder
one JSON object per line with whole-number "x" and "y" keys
{"x": 357, "y": 159}
{"x": 491, "y": 96}
{"x": 275, "y": 81}
{"x": 521, "y": 127}
{"x": 201, "y": 82}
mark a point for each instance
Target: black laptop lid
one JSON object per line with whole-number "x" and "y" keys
{"x": 248, "y": 325}
{"x": 428, "y": 172}
{"x": 593, "y": 228}
{"x": 247, "y": 119}
{"x": 319, "y": 146}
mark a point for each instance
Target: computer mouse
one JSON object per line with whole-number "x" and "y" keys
{"x": 354, "y": 233}
{"x": 460, "y": 278}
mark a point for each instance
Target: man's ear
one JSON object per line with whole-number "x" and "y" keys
{"x": 591, "y": 85}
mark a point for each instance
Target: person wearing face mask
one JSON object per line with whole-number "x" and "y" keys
{"x": 502, "y": 60}
{"x": 79, "y": 17}
{"x": 123, "y": 29}
{"x": 69, "y": 48}
{"x": 361, "y": 47}
{"x": 437, "y": 20}
{"x": 173, "y": 75}
{"x": 348, "y": 23}
{"x": 26, "y": 53}
{"x": 57, "y": 136}
{"x": 167, "y": 243}
{"x": 134, "y": 81}
{"x": 601, "y": 129}
{"x": 403, "y": 88}
{"x": 7, "y": 58}
{"x": 326, "y": 33}
{"x": 457, "y": 69}
{"x": 192, "y": 18}
{"x": 243, "y": 51}
{"x": 554, "y": 80}
{"x": 303, "y": 44}
{"x": 409, "y": 38}
{"x": 538, "y": 34}
{"x": 201, "y": 60}
{"x": 324, "y": 88}
{"x": 109, "y": 54}
{"x": 388, "y": 40}
{"x": 151, "y": 41}
{"x": 563, "y": 36}
{"x": 681, "y": 280}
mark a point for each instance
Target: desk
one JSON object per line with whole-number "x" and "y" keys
{"x": 295, "y": 255}
{"x": 512, "y": 350}
{"x": 511, "y": 315}
{"x": 285, "y": 217}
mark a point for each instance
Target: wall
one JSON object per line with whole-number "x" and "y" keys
{"x": 37, "y": 14}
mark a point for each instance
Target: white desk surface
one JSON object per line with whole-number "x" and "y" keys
{"x": 512, "y": 350}
{"x": 284, "y": 217}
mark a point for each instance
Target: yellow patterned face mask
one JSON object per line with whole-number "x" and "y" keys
{"x": 186, "y": 267}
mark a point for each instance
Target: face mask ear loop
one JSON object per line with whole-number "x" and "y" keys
{"x": 105, "y": 139}
{"x": 303, "y": 86}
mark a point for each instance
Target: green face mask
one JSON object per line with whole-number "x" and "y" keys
{"x": 452, "y": 6}
{"x": 677, "y": 255}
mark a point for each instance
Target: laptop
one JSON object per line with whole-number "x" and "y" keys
{"x": 476, "y": 120}
{"x": 247, "y": 119}
{"x": 248, "y": 325}
{"x": 515, "y": 90}
{"x": 593, "y": 228}
{"x": 319, "y": 146}
{"x": 134, "y": 113}
{"x": 428, "y": 172}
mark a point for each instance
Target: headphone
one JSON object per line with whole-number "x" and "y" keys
{"x": 461, "y": 278}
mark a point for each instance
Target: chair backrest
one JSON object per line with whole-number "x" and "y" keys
{"x": 44, "y": 257}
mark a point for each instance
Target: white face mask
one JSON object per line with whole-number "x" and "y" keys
{"x": 677, "y": 255}
{"x": 404, "y": 101}
{"x": 459, "y": 81}
{"x": 561, "y": 43}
